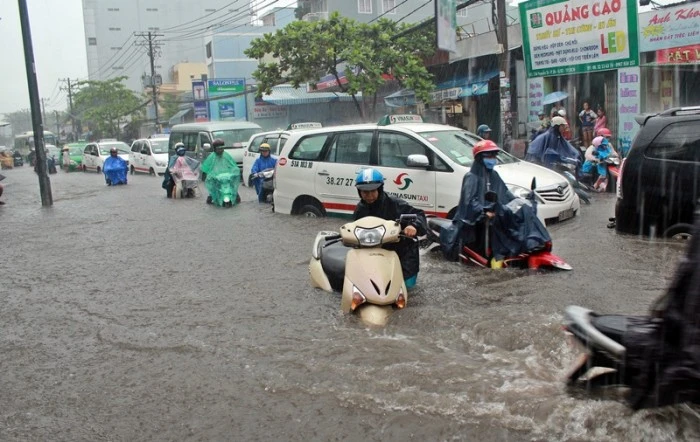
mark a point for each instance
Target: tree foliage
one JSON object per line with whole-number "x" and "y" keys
{"x": 105, "y": 105}
{"x": 20, "y": 121}
{"x": 369, "y": 54}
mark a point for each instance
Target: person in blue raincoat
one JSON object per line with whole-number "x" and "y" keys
{"x": 513, "y": 224}
{"x": 552, "y": 147}
{"x": 114, "y": 168}
{"x": 263, "y": 162}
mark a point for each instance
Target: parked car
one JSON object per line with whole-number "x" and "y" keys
{"x": 423, "y": 163}
{"x": 276, "y": 139}
{"x": 658, "y": 187}
{"x": 75, "y": 152}
{"x": 149, "y": 155}
{"x": 94, "y": 154}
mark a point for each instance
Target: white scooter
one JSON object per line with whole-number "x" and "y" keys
{"x": 354, "y": 261}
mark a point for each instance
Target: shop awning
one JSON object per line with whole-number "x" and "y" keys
{"x": 179, "y": 117}
{"x": 286, "y": 95}
{"x": 404, "y": 97}
{"x": 478, "y": 84}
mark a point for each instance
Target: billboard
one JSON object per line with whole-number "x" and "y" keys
{"x": 446, "y": 22}
{"x": 578, "y": 36}
{"x": 669, "y": 28}
{"x": 201, "y": 108}
{"x": 227, "y": 99}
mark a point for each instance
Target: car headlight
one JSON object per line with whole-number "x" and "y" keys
{"x": 370, "y": 237}
{"x": 522, "y": 192}
{"x": 73, "y": 163}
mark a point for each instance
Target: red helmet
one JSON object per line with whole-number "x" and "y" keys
{"x": 484, "y": 146}
{"x": 604, "y": 132}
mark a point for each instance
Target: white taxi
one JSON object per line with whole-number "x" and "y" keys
{"x": 276, "y": 139}
{"x": 423, "y": 164}
{"x": 149, "y": 155}
{"x": 95, "y": 154}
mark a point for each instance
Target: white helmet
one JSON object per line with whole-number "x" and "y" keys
{"x": 559, "y": 121}
{"x": 562, "y": 113}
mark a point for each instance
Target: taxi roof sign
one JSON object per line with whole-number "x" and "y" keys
{"x": 309, "y": 125}
{"x": 402, "y": 118}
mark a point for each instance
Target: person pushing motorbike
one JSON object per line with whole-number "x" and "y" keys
{"x": 263, "y": 162}
{"x": 375, "y": 202}
{"x": 513, "y": 224}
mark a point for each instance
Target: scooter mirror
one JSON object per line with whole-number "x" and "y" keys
{"x": 407, "y": 218}
{"x": 533, "y": 185}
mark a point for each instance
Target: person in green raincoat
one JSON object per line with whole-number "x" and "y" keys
{"x": 221, "y": 176}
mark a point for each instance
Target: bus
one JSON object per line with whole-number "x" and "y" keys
{"x": 24, "y": 142}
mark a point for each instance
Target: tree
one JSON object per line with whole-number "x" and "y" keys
{"x": 105, "y": 105}
{"x": 20, "y": 121}
{"x": 368, "y": 54}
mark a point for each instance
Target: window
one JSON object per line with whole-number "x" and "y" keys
{"x": 136, "y": 146}
{"x": 92, "y": 41}
{"x": 175, "y": 137}
{"x": 190, "y": 141}
{"x": 364, "y": 6}
{"x": 115, "y": 29}
{"x": 677, "y": 142}
{"x": 462, "y": 12}
{"x": 113, "y": 9}
{"x": 116, "y": 48}
{"x": 204, "y": 138}
{"x": 309, "y": 148}
{"x": 395, "y": 148}
{"x": 351, "y": 148}
{"x": 208, "y": 50}
{"x": 254, "y": 145}
{"x": 389, "y": 6}
{"x": 151, "y": 9}
{"x": 283, "y": 141}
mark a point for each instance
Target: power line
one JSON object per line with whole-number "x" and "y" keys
{"x": 387, "y": 11}
{"x": 173, "y": 28}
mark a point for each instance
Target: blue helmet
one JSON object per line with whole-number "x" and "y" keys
{"x": 369, "y": 179}
{"x": 482, "y": 129}
{"x": 180, "y": 151}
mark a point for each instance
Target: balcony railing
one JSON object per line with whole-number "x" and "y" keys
{"x": 315, "y": 16}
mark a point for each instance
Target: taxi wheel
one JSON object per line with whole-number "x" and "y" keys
{"x": 99, "y": 169}
{"x": 310, "y": 211}
{"x": 132, "y": 170}
{"x": 151, "y": 172}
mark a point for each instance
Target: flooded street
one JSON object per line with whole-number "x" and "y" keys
{"x": 128, "y": 316}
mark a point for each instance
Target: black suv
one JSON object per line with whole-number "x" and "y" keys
{"x": 659, "y": 185}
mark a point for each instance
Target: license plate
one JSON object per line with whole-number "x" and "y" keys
{"x": 566, "y": 214}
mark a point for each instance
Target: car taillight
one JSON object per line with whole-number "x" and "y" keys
{"x": 619, "y": 178}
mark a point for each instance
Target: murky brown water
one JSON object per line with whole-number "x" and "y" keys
{"x": 126, "y": 316}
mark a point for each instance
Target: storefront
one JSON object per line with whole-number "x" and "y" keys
{"x": 669, "y": 43}
{"x": 588, "y": 51}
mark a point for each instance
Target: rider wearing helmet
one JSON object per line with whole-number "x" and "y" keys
{"x": 483, "y": 131}
{"x": 552, "y": 147}
{"x": 114, "y": 168}
{"x": 168, "y": 182}
{"x": 218, "y": 164}
{"x": 375, "y": 202}
{"x": 513, "y": 228}
{"x": 263, "y": 162}
{"x": 596, "y": 154}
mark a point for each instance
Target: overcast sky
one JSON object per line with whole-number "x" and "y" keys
{"x": 59, "y": 51}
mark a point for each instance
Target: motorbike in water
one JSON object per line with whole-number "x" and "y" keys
{"x": 223, "y": 189}
{"x": 609, "y": 182}
{"x": 479, "y": 251}
{"x": 353, "y": 262}
{"x": 268, "y": 186}
{"x": 185, "y": 175}
{"x": 115, "y": 171}
{"x": 568, "y": 169}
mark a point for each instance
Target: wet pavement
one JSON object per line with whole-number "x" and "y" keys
{"x": 128, "y": 316}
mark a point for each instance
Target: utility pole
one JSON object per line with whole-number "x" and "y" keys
{"x": 58, "y": 124}
{"x": 69, "y": 89}
{"x": 37, "y": 123}
{"x": 43, "y": 109}
{"x": 504, "y": 77}
{"x": 152, "y": 48}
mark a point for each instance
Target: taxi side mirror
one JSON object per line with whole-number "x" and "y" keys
{"x": 417, "y": 160}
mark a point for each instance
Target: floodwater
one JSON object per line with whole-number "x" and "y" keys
{"x": 127, "y": 316}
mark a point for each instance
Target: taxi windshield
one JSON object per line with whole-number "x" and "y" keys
{"x": 160, "y": 146}
{"x": 458, "y": 145}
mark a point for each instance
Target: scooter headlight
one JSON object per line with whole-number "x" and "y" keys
{"x": 370, "y": 237}
{"x": 357, "y": 298}
{"x": 227, "y": 199}
{"x": 400, "y": 300}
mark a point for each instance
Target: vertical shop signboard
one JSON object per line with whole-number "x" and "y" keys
{"x": 201, "y": 108}
{"x": 535, "y": 94}
{"x": 578, "y": 36}
{"x": 628, "y": 102}
{"x": 227, "y": 99}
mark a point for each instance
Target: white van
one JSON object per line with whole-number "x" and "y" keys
{"x": 423, "y": 164}
{"x": 149, "y": 155}
{"x": 197, "y": 137}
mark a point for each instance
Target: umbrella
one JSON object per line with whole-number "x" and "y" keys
{"x": 554, "y": 97}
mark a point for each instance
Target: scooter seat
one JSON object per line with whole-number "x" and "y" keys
{"x": 437, "y": 224}
{"x": 612, "y": 326}
{"x": 333, "y": 262}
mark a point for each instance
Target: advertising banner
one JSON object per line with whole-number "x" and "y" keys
{"x": 269, "y": 111}
{"x": 628, "y": 106}
{"x": 679, "y": 55}
{"x": 446, "y": 22}
{"x": 201, "y": 108}
{"x": 669, "y": 27}
{"x": 231, "y": 105}
{"x": 535, "y": 93}
{"x": 578, "y": 36}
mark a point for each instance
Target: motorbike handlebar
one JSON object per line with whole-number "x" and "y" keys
{"x": 332, "y": 237}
